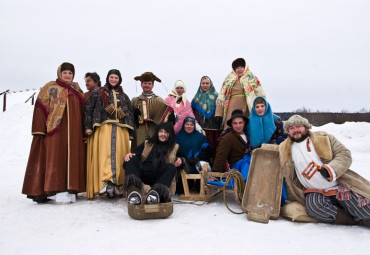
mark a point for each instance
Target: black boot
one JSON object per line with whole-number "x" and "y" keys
{"x": 163, "y": 192}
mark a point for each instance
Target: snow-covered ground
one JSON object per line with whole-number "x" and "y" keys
{"x": 102, "y": 226}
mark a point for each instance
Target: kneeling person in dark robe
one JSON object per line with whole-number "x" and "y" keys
{"x": 153, "y": 163}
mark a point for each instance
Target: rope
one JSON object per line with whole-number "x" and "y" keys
{"x": 199, "y": 203}
{"x": 239, "y": 186}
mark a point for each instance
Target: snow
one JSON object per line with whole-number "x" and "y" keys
{"x": 102, "y": 226}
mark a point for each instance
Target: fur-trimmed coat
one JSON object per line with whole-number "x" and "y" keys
{"x": 331, "y": 152}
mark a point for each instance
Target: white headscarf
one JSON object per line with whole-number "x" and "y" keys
{"x": 179, "y": 83}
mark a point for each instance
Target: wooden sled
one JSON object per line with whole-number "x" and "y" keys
{"x": 262, "y": 194}
{"x": 155, "y": 211}
{"x": 193, "y": 196}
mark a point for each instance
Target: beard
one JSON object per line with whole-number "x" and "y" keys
{"x": 303, "y": 137}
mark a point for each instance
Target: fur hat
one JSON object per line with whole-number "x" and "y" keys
{"x": 235, "y": 114}
{"x": 238, "y": 62}
{"x": 67, "y": 66}
{"x": 147, "y": 76}
{"x": 296, "y": 120}
{"x": 116, "y": 72}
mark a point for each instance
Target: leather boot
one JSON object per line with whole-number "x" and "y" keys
{"x": 343, "y": 218}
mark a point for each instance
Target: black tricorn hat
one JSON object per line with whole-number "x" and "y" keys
{"x": 238, "y": 62}
{"x": 147, "y": 76}
{"x": 235, "y": 114}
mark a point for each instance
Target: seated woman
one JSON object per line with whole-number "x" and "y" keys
{"x": 195, "y": 146}
{"x": 181, "y": 106}
{"x": 264, "y": 126}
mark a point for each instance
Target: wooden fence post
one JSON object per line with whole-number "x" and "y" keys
{"x": 32, "y": 96}
{"x": 4, "y": 101}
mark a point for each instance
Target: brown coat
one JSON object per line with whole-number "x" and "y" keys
{"x": 231, "y": 148}
{"x": 331, "y": 152}
{"x": 57, "y": 162}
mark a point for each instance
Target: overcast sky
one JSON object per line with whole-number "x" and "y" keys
{"x": 313, "y": 54}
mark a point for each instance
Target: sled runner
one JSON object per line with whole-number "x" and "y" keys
{"x": 262, "y": 194}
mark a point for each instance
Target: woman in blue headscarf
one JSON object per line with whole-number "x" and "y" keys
{"x": 264, "y": 126}
{"x": 195, "y": 147}
{"x": 204, "y": 106}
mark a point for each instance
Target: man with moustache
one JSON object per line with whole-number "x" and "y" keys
{"x": 92, "y": 81}
{"x": 153, "y": 163}
{"x": 145, "y": 107}
{"x": 317, "y": 175}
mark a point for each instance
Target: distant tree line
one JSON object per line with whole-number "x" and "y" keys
{"x": 321, "y": 118}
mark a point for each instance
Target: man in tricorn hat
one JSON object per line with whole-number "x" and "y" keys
{"x": 316, "y": 170}
{"x": 149, "y": 109}
{"x": 234, "y": 145}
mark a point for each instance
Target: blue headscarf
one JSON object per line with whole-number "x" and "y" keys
{"x": 261, "y": 128}
{"x": 205, "y": 102}
{"x": 192, "y": 144}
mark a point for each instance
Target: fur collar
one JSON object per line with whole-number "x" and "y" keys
{"x": 320, "y": 141}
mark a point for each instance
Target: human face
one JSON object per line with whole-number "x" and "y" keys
{"x": 67, "y": 76}
{"x": 180, "y": 91}
{"x": 90, "y": 84}
{"x": 297, "y": 133}
{"x": 260, "y": 109}
{"x": 163, "y": 135}
{"x": 238, "y": 124}
{"x": 205, "y": 85}
{"x": 189, "y": 127}
{"x": 113, "y": 79}
{"x": 239, "y": 71}
{"x": 147, "y": 86}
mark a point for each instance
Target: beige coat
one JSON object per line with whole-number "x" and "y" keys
{"x": 331, "y": 152}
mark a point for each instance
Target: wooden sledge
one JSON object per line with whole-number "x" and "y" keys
{"x": 262, "y": 194}
{"x": 155, "y": 211}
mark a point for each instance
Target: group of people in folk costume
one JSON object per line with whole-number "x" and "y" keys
{"x": 102, "y": 143}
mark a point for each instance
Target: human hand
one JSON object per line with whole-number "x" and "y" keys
{"x": 88, "y": 133}
{"x": 129, "y": 156}
{"x": 178, "y": 162}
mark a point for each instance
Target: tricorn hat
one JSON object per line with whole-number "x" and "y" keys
{"x": 235, "y": 114}
{"x": 147, "y": 76}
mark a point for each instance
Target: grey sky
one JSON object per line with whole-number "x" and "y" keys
{"x": 313, "y": 53}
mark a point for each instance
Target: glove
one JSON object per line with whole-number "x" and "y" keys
{"x": 218, "y": 120}
{"x": 137, "y": 113}
{"x": 199, "y": 129}
{"x": 324, "y": 172}
{"x": 171, "y": 118}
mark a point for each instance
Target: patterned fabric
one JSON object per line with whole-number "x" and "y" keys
{"x": 262, "y": 128}
{"x": 205, "y": 102}
{"x": 182, "y": 110}
{"x": 95, "y": 114}
{"x": 52, "y": 99}
{"x": 248, "y": 82}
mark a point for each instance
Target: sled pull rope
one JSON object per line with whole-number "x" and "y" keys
{"x": 239, "y": 187}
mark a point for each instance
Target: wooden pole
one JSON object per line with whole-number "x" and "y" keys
{"x": 32, "y": 96}
{"x": 4, "y": 101}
